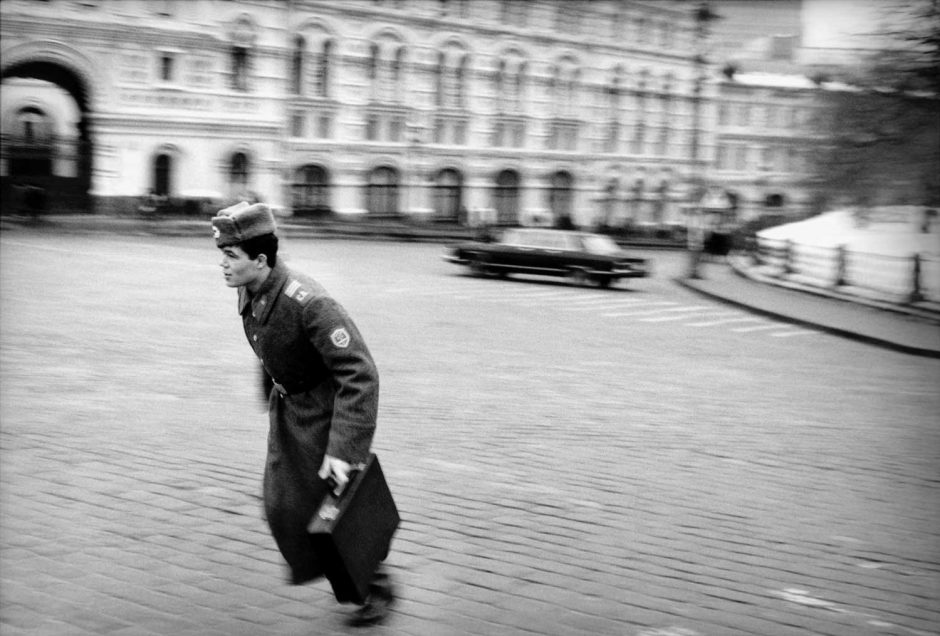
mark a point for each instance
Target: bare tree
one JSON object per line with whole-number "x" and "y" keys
{"x": 882, "y": 125}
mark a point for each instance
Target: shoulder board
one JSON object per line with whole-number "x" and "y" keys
{"x": 295, "y": 290}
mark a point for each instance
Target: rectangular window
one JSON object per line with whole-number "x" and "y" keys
{"x": 740, "y": 158}
{"x": 723, "y": 114}
{"x": 372, "y": 128}
{"x": 794, "y": 116}
{"x": 167, "y": 67}
{"x": 325, "y": 126}
{"x": 438, "y": 131}
{"x": 666, "y": 35}
{"x": 460, "y": 133}
{"x": 636, "y": 144}
{"x": 744, "y": 115}
{"x": 518, "y": 139}
{"x": 721, "y": 156}
{"x": 498, "y": 134}
{"x": 395, "y": 127}
{"x": 297, "y": 124}
{"x": 613, "y": 133}
{"x": 767, "y": 158}
{"x": 772, "y": 116}
{"x": 662, "y": 142}
{"x": 199, "y": 72}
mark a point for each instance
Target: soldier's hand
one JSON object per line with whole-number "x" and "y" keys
{"x": 336, "y": 470}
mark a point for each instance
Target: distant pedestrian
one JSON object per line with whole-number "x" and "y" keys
{"x": 323, "y": 406}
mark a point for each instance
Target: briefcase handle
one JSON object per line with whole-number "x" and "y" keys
{"x": 334, "y": 487}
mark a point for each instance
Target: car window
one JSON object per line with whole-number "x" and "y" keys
{"x": 554, "y": 241}
{"x": 597, "y": 244}
{"x": 532, "y": 239}
{"x": 511, "y": 237}
{"x": 570, "y": 242}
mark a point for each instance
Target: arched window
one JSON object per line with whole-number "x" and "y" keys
{"x": 238, "y": 172}
{"x": 614, "y": 92}
{"x": 162, "y": 172}
{"x": 33, "y": 126}
{"x": 506, "y": 197}
{"x": 560, "y": 194}
{"x": 661, "y": 202}
{"x": 668, "y": 83}
{"x": 638, "y": 143}
{"x": 500, "y": 79}
{"x": 31, "y": 148}
{"x": 571, "y": 92}
{"x": 373, "y": 61}
{"x": 240, "y": 68}
{"x": 448, "y": 194}
{"x": 563, "y": 87}
{"x": 637, "y": 197}
{"x": 297, "y": 66}
{"x": 243, "y": 34}
{"x": 323, "y": 70}
{"x": 441, "y": 73}
{"x": 382, "y": 191}
{"x": 462, "y": 81}
{"x": 642, "y": 85}
{"x": 395, "y": 89}
{"x": 450, "y": 76}
{"x": 310, "y": 191}
{"x": 518, "y": 87}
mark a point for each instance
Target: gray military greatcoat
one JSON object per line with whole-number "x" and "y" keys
{"x": 325, "y": 400}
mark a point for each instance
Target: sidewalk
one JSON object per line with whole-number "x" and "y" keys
{"x": 912, "y": 330}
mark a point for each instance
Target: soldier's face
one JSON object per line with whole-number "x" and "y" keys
{"x": 239, "y": 269}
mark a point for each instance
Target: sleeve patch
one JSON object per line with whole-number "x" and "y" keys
{"x": 340, "y": 337}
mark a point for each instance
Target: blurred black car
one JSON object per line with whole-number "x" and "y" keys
{"x": 580, "y": 256}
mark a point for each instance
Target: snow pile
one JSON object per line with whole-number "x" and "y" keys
{"x": 879, "y": 252}
{"x": 890, "y": 232}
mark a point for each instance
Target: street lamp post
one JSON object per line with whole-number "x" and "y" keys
{"x": 696, "y": 225}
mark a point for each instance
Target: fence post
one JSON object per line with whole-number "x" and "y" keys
{"x": 841, "y": 265}
{"x": 916, "y": 294}
{"x": 788, "y": 258}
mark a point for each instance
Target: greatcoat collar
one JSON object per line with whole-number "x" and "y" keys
{"x": 262, "y": 302}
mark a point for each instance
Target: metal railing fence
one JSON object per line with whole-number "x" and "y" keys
{"x": 900, "y": 279}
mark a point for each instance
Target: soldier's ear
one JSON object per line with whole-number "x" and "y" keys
{"x": 261, "y": 260}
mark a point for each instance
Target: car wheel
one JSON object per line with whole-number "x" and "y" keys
{"x": 578, "y": 276}
{"x": 478, "y": 265}
{"x": 603, "y": 281}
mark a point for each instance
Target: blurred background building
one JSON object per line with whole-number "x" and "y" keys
{"x": 520, "y": 111}
{"x": 600, "y": 112}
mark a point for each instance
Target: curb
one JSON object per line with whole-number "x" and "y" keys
{"x": 743, "y": 270}
{"x": 836, "y": 331}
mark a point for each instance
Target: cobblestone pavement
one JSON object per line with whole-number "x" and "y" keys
{"x": 637, "y": 462}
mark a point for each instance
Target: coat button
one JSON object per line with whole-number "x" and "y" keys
{"x": 255, "y": 337}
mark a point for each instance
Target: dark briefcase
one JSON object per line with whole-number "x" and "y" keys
{"x": 352, "y": 533}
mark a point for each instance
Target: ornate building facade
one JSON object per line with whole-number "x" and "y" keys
{"x": 764, "y": 134}
{"x": 513, "y": 111}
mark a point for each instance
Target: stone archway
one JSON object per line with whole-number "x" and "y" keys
{"x": 67, "y": 68}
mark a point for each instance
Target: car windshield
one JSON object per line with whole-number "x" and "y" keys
{"x": 596, "y": 244}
